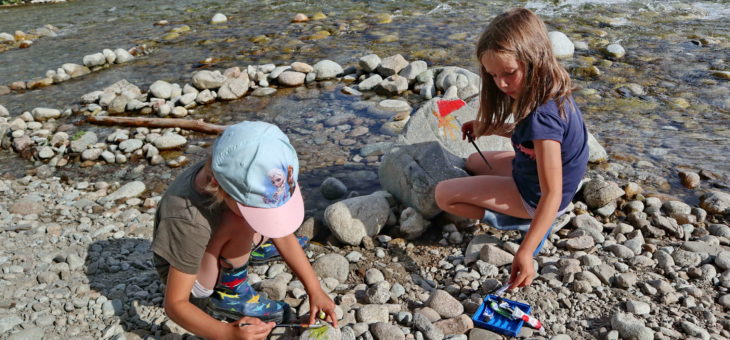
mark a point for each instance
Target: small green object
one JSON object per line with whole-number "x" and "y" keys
{"x": 78, "y": 135}
{"x": 322, "y": 315}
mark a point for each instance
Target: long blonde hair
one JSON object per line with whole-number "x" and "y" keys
{"x": 523, "y": 34}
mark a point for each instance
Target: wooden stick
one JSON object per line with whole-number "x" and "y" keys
{"x": 194, "y": 125}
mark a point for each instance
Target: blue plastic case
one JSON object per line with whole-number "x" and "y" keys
{"x": 499, "y": 323}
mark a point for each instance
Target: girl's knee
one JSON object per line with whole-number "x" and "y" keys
{"x": 441, "y": 195}
{"x": 471, "y": 162}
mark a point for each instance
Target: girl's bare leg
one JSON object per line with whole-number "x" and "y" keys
{"x": 501, "y": 162}
{"x": 469, "y": 196}
{"x": 492, "y": 189}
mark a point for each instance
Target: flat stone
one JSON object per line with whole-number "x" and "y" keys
{"x": 446, "y": 305}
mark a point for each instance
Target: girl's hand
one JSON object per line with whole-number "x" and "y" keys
{"x": 467, "y": 130}
{"x": 320, "y": 302}
{"x": 523, "y": 270}
{"x": 257, "y": 330}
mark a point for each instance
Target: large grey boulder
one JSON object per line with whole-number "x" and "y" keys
{"x": 411, "y": 172}
{"x": 424, "y": 127}
{"x": 352, "y": 219}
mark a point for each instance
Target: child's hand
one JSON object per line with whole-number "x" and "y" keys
{"x": 467, "y": 130}
{"x": 257, "y": 330}
{"x": 320, "y": 303}
{"x": 523, "y": 270}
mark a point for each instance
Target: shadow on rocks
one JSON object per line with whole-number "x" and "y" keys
{"x": 131, "y": 298}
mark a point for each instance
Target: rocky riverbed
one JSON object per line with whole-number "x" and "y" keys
{"x": 76, "y": 263}
{"x": 643, "y": 253}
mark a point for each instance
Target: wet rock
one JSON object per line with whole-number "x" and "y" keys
{"x": 6, "y": 38}
{"x": 391, "y": 65}
{"x": 690, "y": 180}
{"x": 207, "y": 80}
{"x": 291, "y": 78}
{"x": 332, "y": 188}
{"x": 561, "y": 44}
{"x": 302, "y": 67}
{"x": 118, "y": 104}
{"x": 233, "y": 88}
{"x": 445, "y": 304}
{"x": 352, "y": 219}
{"x": 394, "y": 84}
{"x": 122, "y": 87}
{"x": 413, "y": 69}
{"x": 169, "y": 141}
{"x": 109, "y": 55}
{"x": 205, "y": 97}
{"x": 263, "y": 92}
{"x": 131, "y": 145}
{"x": 42, "y": 114}
{"x": 122, "y": 56}
{"x": 327, "y": 69}
{"x": 596, "y": 154}
{"x": 615, "y": 51}
{"x": 332, "y": 265}
{"x": 716, "y": 202}
{"x": 161, "y": 89}
{"x": 370, "y": 83}
{"x": 218, "y": 18}
{"x": 369, "y": 62}
{"x": 96, "y": 59}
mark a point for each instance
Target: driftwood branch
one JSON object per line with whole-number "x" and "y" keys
{"x": 194, "y": 125}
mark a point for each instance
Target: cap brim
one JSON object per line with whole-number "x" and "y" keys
{"x": 276, "y": 222}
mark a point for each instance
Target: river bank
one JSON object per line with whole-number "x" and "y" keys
{"x": 647, "y": 258}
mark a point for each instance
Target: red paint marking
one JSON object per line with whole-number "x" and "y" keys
{"x": 446, "y": 107}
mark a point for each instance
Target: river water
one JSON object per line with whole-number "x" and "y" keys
{"x": 679, "y": 119}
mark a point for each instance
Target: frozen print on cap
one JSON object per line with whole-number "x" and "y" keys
{"x": 280, "y": 185}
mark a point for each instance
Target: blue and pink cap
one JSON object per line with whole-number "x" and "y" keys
{"x": 256, "y": 165}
